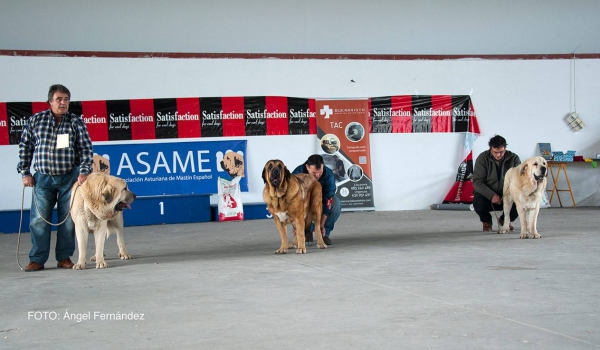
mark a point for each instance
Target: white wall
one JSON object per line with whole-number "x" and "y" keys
{"x": 523, "y": 100}
{"x": 307, "y": 26}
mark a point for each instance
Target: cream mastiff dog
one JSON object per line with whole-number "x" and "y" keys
{"x": 97, "y": 208}
{"x": 524, "y": 185}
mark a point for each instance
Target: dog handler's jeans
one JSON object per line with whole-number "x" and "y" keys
{"x": 336, "y": 209}
{"x": 50, "y": 190}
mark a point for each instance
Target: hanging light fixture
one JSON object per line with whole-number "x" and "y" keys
{"x": 573, "y": 120}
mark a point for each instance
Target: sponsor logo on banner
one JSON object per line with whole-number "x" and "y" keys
{"x": 193, "y": 117}
{"x": 461, "y": 113}
{"x": 174, "y": 168}
{"x": 256, "y": 120}
{"x": 343, "y": 141}
{"x": 119, "y": 121}
{"x": 167, "y": 118}
{"x": 422, "y": 114}
{"x": 299, "y": 115}
{"x": 210, "y": 123}
{"x": 18, "y": 114}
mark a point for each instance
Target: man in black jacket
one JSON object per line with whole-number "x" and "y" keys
{"x": 332, "y": 206}
{"x": 488, "y": 181}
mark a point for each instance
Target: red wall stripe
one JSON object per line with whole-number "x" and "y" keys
{"x": 37, "y": 107}
{"x": 4, "y": 140}
{"x": 441, "y": 105}
{"x": 402, "y": 114}
{"x": 276, "y": 124}
{"x": 188, "y": 126}
{"x": 96, "y": 119}
{"x": 142, "y": 123}
{"x": 234, "y": 121}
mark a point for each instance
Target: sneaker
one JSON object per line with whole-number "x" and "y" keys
{"x": 487, "y": 227}
{"x": 33, "y": 266}
{"x": 327, "y": 240}
{"x": 501, "y": 223}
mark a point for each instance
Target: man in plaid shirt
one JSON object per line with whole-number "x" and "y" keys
{"x": 58, "y": 144}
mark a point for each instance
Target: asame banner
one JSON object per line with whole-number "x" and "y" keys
{"x": 174, "y": 168}
{"x": 195, "y": 117}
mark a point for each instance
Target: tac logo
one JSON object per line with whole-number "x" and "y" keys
{"x": 326, "y": 111}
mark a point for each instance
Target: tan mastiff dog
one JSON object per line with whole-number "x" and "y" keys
{"x": 292, "y": 199}
{"x": 97, "y": 208}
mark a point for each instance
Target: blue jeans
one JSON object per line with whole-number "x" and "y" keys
{"x": 50, "y": 190}
{"x": 336, "y": 209}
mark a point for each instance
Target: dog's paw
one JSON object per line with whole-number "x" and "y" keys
{"x": 503, "y": 230}
{"x": 93, "y": 257}
{"x": 281, "y": 250}
{"x": 101, "y": 265}
{"x": 321, "y": 245}
{"x": 79, "y": 266}
{"x": 125, "y": 256}
{"x": 523, "y": 235}
{"x": 292, "y": 245}
{"x": 301, "y": 250}
{"x": 535, "y": 235}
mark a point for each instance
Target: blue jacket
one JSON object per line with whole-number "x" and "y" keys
{"x": 327, "y": 182}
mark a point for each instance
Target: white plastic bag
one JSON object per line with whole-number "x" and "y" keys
{"x": 230, "y": 200}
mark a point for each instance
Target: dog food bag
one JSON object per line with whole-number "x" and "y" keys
{"x": 230, "y": 200}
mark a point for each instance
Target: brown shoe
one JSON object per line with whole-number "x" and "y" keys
{"x": 65, "y": 264}
{"x": 487, "y": 227}
{"x": 501, "y": 223}
{"x": 33, "y": 266}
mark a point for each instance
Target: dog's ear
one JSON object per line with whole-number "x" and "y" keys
{"x": 288, "y": 175}
{"x": 264, "y": 174}
{"x": 524, "y": 169}
{"x": 108, "y": 192}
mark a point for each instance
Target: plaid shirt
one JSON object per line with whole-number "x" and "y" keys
{"x": 39, "y": 139}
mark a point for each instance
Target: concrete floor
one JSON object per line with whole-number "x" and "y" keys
{"x": 391, "y": 280}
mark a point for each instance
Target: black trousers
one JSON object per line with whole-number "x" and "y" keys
{"x": 484, "y": 206}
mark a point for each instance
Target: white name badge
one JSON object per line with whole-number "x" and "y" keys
{"x": 62, "y": 141}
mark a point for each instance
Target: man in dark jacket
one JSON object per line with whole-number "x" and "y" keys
{"x": 332, "y": 206}
{"x": 488, "y": 181}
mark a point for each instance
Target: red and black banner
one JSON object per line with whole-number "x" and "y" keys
{"x": 176, "y": 118}
{"x": 423, "y": 114}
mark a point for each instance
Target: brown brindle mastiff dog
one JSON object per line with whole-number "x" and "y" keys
{"x": 292, "y": 199}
